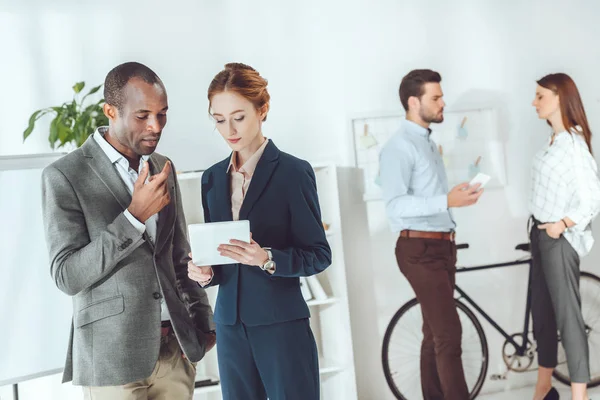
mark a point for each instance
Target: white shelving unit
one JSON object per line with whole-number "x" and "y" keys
{"x": 330, "y": 317}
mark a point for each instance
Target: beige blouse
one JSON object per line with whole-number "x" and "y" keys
{"x": 241, "y": 177}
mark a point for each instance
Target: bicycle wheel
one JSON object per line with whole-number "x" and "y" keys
{"x": 401, "y": 351}
{"x": 589, "y": 287}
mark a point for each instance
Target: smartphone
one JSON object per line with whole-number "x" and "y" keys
{"x": 481, "y": 179}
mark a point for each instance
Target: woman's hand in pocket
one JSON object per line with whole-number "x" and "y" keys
{"x": 554, "y": 230}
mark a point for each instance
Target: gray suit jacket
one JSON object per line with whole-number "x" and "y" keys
{"x": 114, "y": 274}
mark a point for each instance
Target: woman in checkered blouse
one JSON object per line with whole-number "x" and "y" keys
{"x": 565, "y": 197}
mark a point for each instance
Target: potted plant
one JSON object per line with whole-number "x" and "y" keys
{"x": 74, "y": 121}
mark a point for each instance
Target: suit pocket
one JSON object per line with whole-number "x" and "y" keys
{"x": 99, "y": 310}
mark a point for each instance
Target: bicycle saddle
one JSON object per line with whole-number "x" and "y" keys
{"x": 523, "y": 246}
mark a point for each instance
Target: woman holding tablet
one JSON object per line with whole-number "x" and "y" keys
{"x": 565, "y": 197}
{"x": 265, "y": 345}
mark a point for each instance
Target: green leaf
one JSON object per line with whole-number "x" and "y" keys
{"x": 31, "y": 124}
{"x": 53, "y": 131}
{"x": 91, "y": 108}
{"x": 65, "y": 134}
{"x": 64, "y": 127}
{"x": 80, "y": 127}
{"x": 78, "y": 87}
{"x": 73, "y": 107}
{"x": 92, "y": 91}
{"x": 73, "y": 122}
{"x": 34, "y": 117}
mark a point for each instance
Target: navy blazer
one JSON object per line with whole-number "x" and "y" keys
{"x": 283, "y": 209}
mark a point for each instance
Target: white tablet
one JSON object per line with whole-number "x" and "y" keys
{"x": 205, "y": 238}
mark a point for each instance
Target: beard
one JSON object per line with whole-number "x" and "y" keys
{"x": 429, "y": 117}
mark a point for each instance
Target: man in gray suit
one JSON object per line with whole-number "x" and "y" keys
{"x": 116, "y": 234}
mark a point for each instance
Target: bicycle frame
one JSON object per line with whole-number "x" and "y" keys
{"x": 520, "y": 348}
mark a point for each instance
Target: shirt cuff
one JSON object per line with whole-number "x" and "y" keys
{"x": 440, "y": 203}
{"x": 579, "y": 220}
{"x": 136, "y": 224}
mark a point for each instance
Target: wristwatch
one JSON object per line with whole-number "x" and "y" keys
{"x": 270, "y": 264}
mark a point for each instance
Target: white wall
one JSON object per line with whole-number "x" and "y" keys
{"x": 325, "y": 61}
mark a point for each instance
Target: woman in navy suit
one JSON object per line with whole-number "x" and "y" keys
{"x": 265, "y": 345}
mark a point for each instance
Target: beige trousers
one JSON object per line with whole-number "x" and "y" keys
{"x": 172, "y": 379}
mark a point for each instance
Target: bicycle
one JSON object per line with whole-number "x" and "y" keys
{"x": 402, "y": 341}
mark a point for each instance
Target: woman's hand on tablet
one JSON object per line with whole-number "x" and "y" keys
{"x": 245, "y": 253}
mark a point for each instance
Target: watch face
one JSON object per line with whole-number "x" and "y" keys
{"x": 268, "y": 265}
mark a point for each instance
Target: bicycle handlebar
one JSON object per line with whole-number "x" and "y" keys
{"x": 523, "y": 247}
{"x": 526, "y": 247}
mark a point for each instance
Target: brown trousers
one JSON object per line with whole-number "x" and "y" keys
{"x": 430, "y": 267}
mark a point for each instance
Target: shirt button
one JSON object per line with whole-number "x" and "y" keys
{"x": 157, "y": 295}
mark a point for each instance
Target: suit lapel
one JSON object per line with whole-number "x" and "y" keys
{"x": 264, "y": 170}
{"x": 106, "y": 172}
{"x": 165, "y": 216}
{"x": 223, "y": 192}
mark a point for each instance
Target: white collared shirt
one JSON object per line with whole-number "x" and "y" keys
{"x": 129, "y": 176}
{"x": 565, "y": 183}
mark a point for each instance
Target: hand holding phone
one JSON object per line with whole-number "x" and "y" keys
{"x": 480, "y": 178}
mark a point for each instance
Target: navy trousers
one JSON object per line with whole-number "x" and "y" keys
{"x": 278, "y": 362}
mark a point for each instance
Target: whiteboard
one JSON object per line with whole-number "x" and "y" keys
{"x": 470, "y": 142}
{"x": 35, "y": 316}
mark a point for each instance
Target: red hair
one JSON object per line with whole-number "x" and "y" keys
{"x": 243, "y": 80}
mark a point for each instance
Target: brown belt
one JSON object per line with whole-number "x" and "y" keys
{"x": 428, "y": 235}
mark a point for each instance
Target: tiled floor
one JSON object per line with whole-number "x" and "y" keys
{"x": 526, "y": 393}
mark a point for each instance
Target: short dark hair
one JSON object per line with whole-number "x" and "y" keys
{"x": 412, "y": 84}
{"x": 120, "y": 75}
